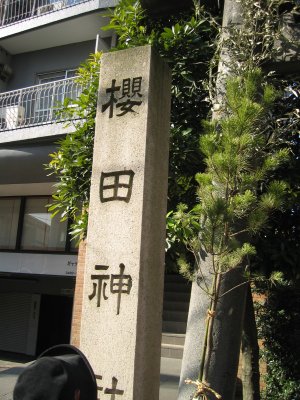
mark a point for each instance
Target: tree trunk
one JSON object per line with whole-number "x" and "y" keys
{"x": 250, "y": 353}
{"x": 224, "y": 340}
{"x": 232, "y": 16}
{"x": 223, "y": 358}
{"x": 195, "y": 334}
{"x": 222, "y": 354}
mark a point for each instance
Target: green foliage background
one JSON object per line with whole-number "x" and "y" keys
{"x": 279, "y": 325}
{"x": 189, "y": 42}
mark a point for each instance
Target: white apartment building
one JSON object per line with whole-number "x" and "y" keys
{"x": 42, "y": 42}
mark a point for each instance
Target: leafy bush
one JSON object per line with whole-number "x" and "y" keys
{"x": 186, "y": 42}
{"x": 278, "y": 327}
{"x": 72, "y": 162}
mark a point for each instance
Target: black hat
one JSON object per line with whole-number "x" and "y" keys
{"x": 56, "y": 375}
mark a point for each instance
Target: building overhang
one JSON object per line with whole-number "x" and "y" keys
{"x": 24, "y": 164}
{"x": 35, "y": 132}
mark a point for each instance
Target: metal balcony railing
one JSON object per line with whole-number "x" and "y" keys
{"x": 36, "y": 105}
{"x": 12, "y": 11}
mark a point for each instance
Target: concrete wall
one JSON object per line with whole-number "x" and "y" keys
{"x": 26, "y": 66}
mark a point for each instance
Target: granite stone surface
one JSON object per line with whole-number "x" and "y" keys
{"x": 123, "y": 285}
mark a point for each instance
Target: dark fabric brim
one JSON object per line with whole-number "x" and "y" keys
{"x": 78, "y": 367}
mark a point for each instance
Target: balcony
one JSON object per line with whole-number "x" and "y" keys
{"x": 35, "y": 105}
{"x": 31, "y": 25}
{"x": 12, "y": 11}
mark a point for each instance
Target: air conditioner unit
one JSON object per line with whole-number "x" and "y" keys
{"x": 50, "y": 7}
{"x": 5, "y": 72}
{"x": 12, "y": 116}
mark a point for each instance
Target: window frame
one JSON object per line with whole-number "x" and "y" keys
{"x": 18, "y": 243}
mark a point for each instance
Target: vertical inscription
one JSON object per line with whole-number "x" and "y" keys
{"x": 128, "y": 100}
{"x": 119, "y": 284}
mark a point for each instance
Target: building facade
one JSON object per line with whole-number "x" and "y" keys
{"x": 42, "y": 42}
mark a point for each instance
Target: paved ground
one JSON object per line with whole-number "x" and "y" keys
{"x": 169, "y": 378}
{"x": 11, "y": 366}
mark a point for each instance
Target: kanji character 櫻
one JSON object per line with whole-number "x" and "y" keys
{"x": 130, "y": 88}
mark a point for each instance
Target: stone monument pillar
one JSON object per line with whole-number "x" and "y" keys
{"x": 124, "y": 271}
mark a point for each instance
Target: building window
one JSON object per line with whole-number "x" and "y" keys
{"x": 55, "y": 76}
{"x": 40, "y": 231}
{"x": 9, "y": 219}
{"x": 26, "y": 225}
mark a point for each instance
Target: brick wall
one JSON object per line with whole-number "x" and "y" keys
{"x": 77, "y": 305}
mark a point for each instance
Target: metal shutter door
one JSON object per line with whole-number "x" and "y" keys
{"x": 18, "y": 322}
